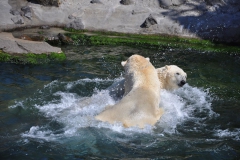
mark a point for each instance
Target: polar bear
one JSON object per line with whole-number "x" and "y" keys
{"x": 171, "y": 77}
{"x": 140, "y": 106}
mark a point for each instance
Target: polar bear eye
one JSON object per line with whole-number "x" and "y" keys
{"x": 177, "y": 73}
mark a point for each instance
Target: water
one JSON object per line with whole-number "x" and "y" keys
{"x": 47, "y": 110}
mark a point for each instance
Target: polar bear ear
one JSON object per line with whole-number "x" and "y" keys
{"x": 148, "y": 59}
{"x": 167, "y": 67}
{"x": 123, "y": 63}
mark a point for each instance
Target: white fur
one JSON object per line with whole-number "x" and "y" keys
{"x": 140, "y": 105}
{"x": 171, "y": 77}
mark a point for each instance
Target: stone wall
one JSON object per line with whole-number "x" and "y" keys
{"x": 217, "y": 20}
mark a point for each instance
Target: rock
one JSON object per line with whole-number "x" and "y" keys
{"x": 27, "y": 12}
{"x": 37, "y": 47}
{"x": 18, "y": 19}
{"x": 55, "y": 3}
{"x": 71, "y": 17}
{"x": 14, "y": 12}
{"x": 45, "y": 27}
{"x": 26, "y": 37}
{"x": 149, "y": 22}
{"x": 8, "y": 44}
{"x": 178, "y": 2}
{"x": 168, "y": 3}
{"x": 64, "y": 39}
{"x": 12, "y": 45}
{"x": 212, "y": 2}
{"x": 126, "y": 2}
{"x": 208, "y": 19}
{"x": 76, "y": 24}
{"x": 96, "y": 1}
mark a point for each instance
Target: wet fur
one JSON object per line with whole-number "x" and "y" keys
{"x": 140, "y": 105}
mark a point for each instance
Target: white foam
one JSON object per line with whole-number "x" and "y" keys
{"x": 40, "y": 133}
{"x": 182, "y": 105}
{"x": 75, "y": 112}
{"x": 234, "y": 134}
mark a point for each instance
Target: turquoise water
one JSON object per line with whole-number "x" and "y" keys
{"x": 47, "y": 110}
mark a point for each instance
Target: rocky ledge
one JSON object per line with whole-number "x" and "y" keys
{"x": 217, "y": 20}
{"x": 12, "y": 45}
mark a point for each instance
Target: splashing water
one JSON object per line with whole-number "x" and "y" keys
{"x": 185, "y": 104}
{"x": 74, "y": 112}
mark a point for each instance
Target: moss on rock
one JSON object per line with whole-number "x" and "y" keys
{"x": 31, "y": 58}
{"x": 85, "y": 37}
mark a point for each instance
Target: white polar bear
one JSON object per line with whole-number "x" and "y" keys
{"x": 171, "y": 77}
{"x": 140, "y": 106}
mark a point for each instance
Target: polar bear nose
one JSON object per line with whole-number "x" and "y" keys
{"x": 182, "y": 82}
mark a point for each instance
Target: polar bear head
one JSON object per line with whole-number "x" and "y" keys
{"x": 172, "y": 77}
{"x": 136, "y": 61}
{"x": 137, "y": 70}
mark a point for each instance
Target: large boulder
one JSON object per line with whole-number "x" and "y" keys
{"x": 27, "y": 12}
{"x": 76, "y": 24}
{"x": 149, "y": 21}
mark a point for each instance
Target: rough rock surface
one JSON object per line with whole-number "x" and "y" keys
{"x": 47, "y": 2}
{"x": 27, "y": 11}
{"x": 126, "y": 2}
{"x": 150, "y": 20}
{"x": 209, "y": 19}
{"x": 96, "y": 1}
{"x": 9, "y": 44}
{"x": 169, "y": 3}
{"x": 18, "y": 19}
{"x": 76, "y": 24}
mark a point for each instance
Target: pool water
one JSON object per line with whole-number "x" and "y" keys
{"x": 47, "y": 110}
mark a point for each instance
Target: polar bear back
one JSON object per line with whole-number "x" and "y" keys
{"x": 140, "y": 105}
{"x": 135, "y": 109}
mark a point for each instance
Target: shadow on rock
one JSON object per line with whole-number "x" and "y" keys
{"x": 215, "y": 20}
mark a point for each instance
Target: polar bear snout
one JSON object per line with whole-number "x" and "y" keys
{"x": 182, "y": 83}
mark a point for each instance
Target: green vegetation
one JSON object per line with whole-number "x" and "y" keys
{"x": 31, "y": 58}
{"x": 40, "y": 32}
{"x": 84, "y": 37}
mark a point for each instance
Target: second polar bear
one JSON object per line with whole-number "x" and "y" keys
{"x": 140, "y": 106}
{"x": 171, "y": 77}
